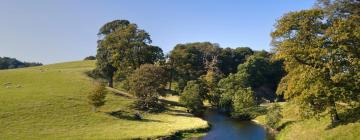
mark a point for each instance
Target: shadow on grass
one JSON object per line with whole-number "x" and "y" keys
{"x": 171, "y": 103}
{"x": 179, "y": 113}
{"x": 349, "y": 116}
{"x": 128, "y": 116}
{"x": 282, "y": 126}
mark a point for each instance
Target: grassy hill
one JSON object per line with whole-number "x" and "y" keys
{"x": 49, "y": 102}
{"x": 314, "y": 129}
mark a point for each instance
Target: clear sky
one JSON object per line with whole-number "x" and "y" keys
{"x": 50, "y": 31}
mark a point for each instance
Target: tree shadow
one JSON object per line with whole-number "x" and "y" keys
{"x": 128, "y": 116}
{"x": 172, "y": 103}
{"x": 282, "y": 126}
{"x": 179, "y": 113}
{"x": 349, "y": 116}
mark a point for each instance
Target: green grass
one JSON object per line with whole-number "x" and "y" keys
{"x": 312, "y": 129}
{"x": 49, "y": 102}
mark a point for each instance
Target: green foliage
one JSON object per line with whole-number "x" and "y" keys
{"x": 259, "y": 72}
{"x": 123, "y": 48}
{"x": 273, "y": 116}
{"x": 228, "y": 87}
{"x": 230, "y": 58}
{"x": 189, "y": 60}
{"x": 192, "y": 96}
{"x": 90, "y": 58}
{"x": 242, "y": 103}
{"x": 147, "y": 83}
{"x": 97, "y": 96}
{"x": 321, "y": 54}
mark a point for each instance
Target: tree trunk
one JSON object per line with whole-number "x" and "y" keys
{"x": 111, "y": 82}
{"x": 333, "y": 112}
{"x": 170, "y": 85}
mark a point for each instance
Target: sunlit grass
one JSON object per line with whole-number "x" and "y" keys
{"x": 49, "y": 102}
{"x": 312, "y": 129}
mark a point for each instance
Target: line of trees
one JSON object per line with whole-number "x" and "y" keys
{"x": 12, "y": 63}
{"x": 316, "y": 62}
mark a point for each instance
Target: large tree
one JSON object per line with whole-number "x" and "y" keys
{"x": 104, "y": 65}
{"x": 123, "y": 48}
{"x": 322, "y": 56}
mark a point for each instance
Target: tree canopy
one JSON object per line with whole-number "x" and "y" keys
{"x": 320, "y": 48}
{"x": 123, "y": 48}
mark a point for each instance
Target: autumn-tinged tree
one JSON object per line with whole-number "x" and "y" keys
{"x": 321, "y": 51}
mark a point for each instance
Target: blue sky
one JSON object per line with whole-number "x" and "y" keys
{"x": 50, "y": 31}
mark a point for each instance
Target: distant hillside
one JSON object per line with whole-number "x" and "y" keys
{"x": 12, "y": 63}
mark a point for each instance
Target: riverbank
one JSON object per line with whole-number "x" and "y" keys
{"x": 292, "y": 126}
{"x": 49, "y": 102}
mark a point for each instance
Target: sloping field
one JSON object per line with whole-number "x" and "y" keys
{"x": 49, "y": 102}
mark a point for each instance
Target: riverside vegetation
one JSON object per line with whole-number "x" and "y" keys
{"x": 312, "y": 73}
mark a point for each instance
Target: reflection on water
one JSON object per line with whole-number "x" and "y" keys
{"x": 225, "y": 128}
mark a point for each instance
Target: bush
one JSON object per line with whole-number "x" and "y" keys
{"x": 97, "y": 96}
{"x": 273, "y": 117}
{"x": 191, "y": 97}
{"x": 90, "y": 58}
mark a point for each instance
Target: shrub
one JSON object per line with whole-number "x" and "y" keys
{"x": 90, "y": 58}
{"x": 273, "y": 116}
{"x": 96, "y": 97}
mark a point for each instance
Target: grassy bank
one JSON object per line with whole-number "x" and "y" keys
{"x": 49, "y": 102}
{"x": 293, "y": 127}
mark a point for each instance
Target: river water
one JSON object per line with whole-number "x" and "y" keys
{"x": 225, "y": 128}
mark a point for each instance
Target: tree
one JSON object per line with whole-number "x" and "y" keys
{"x": 228, "y": 87}
{"x": 123, "y": 48}
{"x": 192, "y": 96}
{"x": 147, "y": 83}
{"x": 129, "y": 48}
{"x": 273, "y": 116}
{"x": 263, "y": 75}
{"x": 189, "y": 60}
{"x": 243, "y": 102}
{"x": 229, "y": 59}
{"x": 212, "y": 77}
{"x": 104, "y": 63}
{"x": 97, "y": 96}
{"x": 321, "y": 54}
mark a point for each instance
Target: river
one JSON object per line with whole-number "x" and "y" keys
{"x": 225, "y": 128}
